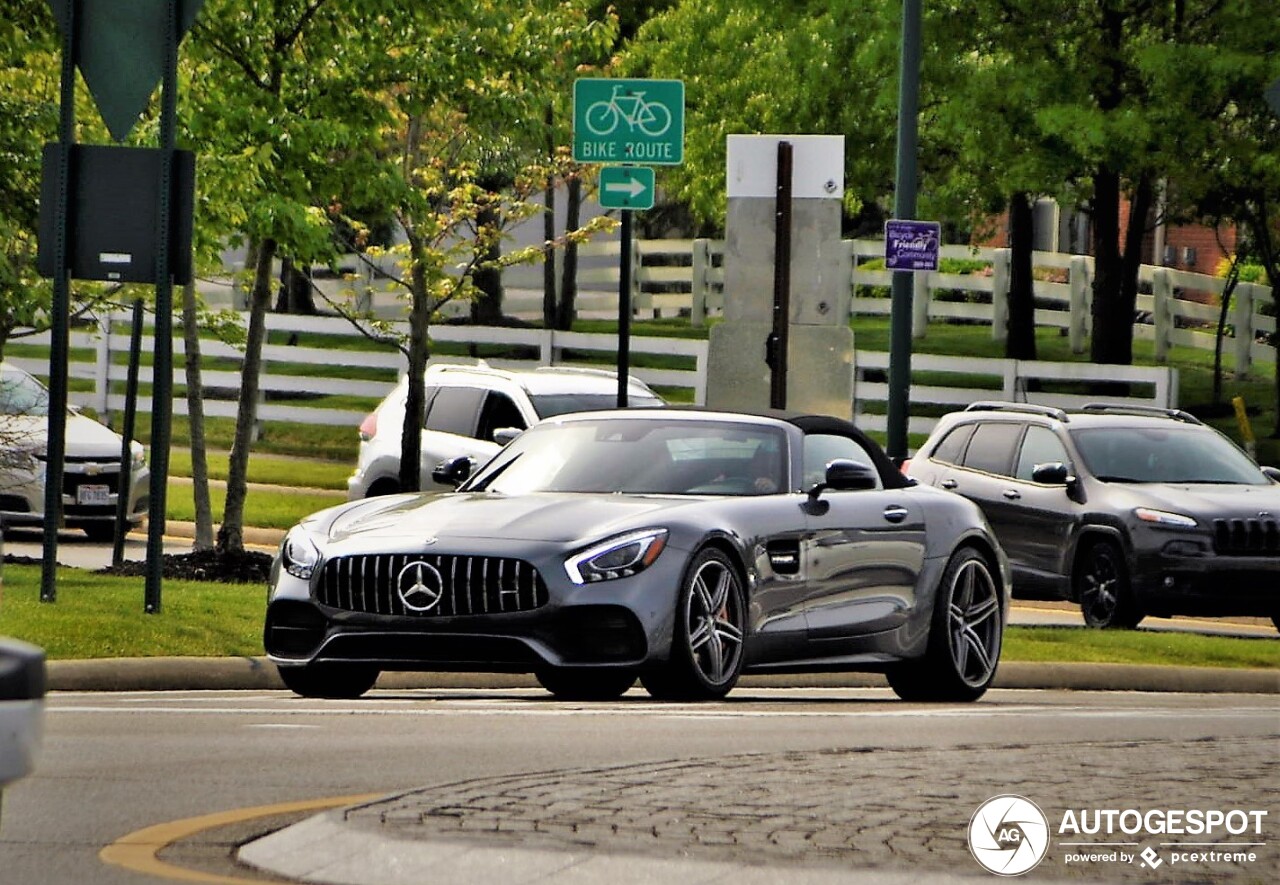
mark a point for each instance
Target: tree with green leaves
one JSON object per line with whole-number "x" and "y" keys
{"x": 279, "y": 105}
{"x": 458, "y": 111}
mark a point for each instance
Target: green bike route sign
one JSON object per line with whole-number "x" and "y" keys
{"x": 628, "y": 121}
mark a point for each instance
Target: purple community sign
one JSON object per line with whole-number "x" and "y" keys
{"x": 911, "y": 245}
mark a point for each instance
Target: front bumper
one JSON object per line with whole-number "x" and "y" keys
{"x": 22, "y": 499}
{"x": 1213, "y": 585}
{"x": 626, "y": 622}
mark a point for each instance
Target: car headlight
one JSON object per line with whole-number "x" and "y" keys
{"x": 299, "y": 554}
{"x": 138, "y": 456}
{"x": 1163, "y": 517}
{"x": 618, "y": 557}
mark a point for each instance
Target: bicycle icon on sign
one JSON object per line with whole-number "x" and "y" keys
{"x": 650, "y": 117}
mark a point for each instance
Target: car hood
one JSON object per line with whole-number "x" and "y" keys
{"x": 562, "y": 518}
{"x": 86, "y": 438}
{"x": 1207, "y": 500}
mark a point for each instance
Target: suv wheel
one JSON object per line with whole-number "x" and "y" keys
{"x": 1101, "y": 583}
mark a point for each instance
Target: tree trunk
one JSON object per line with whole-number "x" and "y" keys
{"x": 1112, "y": 324}
{"x": 1224, "y": 311}
{"x": 569, "y": 273}
{"x": 415, "y": 402}
{"x": 195, "y": 417}
{"x": 231, "y": 534}
{"x": 295, "y": 295}
{"x": 1020, "y": 343}
{"x": 487, "y": 309}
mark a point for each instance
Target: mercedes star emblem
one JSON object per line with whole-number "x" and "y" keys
{"x": 419, "y": 586}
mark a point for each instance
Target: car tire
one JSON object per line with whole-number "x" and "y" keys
{"x": 335, "y": 681}
{"x": 586, "y": 683}
{"x": 965, "y": 636}
{"x": 1100, "y": 581}
{"x": 707, "y": 640}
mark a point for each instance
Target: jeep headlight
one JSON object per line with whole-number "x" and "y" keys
{"x": 1163, "y": 517}
{"x": 618, "y": 557}
{"x": 299, "y": 554}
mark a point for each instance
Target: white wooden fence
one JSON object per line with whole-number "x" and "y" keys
{"x": 291, "y": 394}
{"x": 693, "y": 269}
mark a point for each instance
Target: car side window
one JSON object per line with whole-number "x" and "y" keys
{"x": 499, "y": 411}
{"x": 1040, "y": 446}
{"x": 454, "y": 410}
{"x": 820, "y": 449}
{"x": 950, "y": 448}
{"x": 991, "y": 449}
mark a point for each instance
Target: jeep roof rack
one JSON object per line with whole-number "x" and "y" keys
{"x": 1139, "y": 409}
{"x": 1029, "y": 408}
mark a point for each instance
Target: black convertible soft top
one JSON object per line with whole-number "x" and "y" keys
{"x": 890, "y": 475}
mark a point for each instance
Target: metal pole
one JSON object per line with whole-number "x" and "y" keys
{"x": 624, "y": 311}
{"x": 780, "y": 339}
{"x": 126, "y": 433}
{"x": 56, "y": 453}
{"x": 162, "y": 374}
{"x": 904, "y": 207}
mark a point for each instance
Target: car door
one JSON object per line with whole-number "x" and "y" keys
{"x": 983, "y": 474}
{"x": 1043, "y": 513}
{"x": 863, "y": 552}
{"x": 451, "y": 426}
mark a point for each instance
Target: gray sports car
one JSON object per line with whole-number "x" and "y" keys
{"x": 679, "y": 547}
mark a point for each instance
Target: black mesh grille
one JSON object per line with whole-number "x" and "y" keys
{"x": 1246, "y": 537}
{"x": 436, "y": 585}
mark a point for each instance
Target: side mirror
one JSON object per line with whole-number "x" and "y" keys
{"x": 1272, "y": 473}
{"x": 504, "y": 435}
{"x": 844, "y": 475}
{"x": 453, "y": 472}
{"x": 1054, "y": 473}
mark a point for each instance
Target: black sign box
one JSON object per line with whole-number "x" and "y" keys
{"x": 114, "y": 209}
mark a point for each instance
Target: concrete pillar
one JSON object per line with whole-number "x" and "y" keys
{"x": 820, "y": 363}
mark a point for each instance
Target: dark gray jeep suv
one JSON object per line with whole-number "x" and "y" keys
{"x": 1129, "y": 511}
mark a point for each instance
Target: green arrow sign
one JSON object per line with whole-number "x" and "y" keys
{"x": 628, "y": 121}
{"x": 626, "y": 187}
{"x": 120, "y": 51}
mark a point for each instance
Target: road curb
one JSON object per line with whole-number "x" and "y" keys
{"x": 256, "y": 673}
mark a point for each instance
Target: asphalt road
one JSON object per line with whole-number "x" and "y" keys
{"x": 892, "y": 785}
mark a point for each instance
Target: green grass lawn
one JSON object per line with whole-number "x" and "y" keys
{"x": 272, "y": 469}
{"x": 99, "y": 616}
{"x": 262, "y": 509}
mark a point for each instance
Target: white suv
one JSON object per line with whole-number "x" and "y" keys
{"x": 474, "y": 411}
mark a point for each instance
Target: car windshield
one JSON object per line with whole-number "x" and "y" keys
{"x": 650, "y": 456}
{"x": 548, "y": 405}
{"x": 1151, "y": 454}
{"x": 20, "y": 394}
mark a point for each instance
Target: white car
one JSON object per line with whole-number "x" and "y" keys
{"x": 91, "y": 470}
{"x": 474, "y": 411}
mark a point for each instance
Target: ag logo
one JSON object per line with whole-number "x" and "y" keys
{"x": 419, "y": 586}
{"x": 1008, "y": 835}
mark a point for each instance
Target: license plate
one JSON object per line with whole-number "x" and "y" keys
{"x": 93, "y": 495}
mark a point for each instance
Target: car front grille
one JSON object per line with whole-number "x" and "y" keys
{"x": 1246, "y": 537}
{"x": 436, "y": 585}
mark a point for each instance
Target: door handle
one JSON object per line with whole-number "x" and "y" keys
{"x": 948, "y": 484}
{"x": 1011, "y": 494}
{"x": 895, "y": 513}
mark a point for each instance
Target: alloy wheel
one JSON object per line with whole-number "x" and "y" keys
{"x": 715, "y": 621}
{"x": 973, "y": 622}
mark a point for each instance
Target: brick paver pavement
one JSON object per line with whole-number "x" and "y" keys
{"x": 859, "y": 807}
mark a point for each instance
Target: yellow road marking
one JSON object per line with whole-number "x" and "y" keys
{"x": 139, "y": 850}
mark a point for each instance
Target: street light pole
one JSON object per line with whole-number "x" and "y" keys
{"x": 904, "y": 207}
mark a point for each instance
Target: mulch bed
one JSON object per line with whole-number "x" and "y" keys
{"x": 248, "y": 567}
